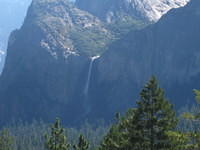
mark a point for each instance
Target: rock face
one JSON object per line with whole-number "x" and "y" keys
{"x": 112, "y": 10}
{"x": 47, "y": 62}
{"x": 12, "y": 14}
{"x": 2, "y": 57}
{"x": 53, "y": 68}
{"x": 169, "y": 49}
{"x": 67, "y": 27}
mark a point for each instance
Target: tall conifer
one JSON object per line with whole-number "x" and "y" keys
{"x": 154, "y": 117}
{"x": 144, "y": 127}
{"x": 57, "y": 139}
{"x": 83, "y": 144}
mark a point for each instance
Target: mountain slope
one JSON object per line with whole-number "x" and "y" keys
{"x": 49, "y": 73}
{"x": 47, "y": 63}
{"x": 69, "y": 26}
{"x": 2, "y": 57}
{"x": 12, "y": 14}
{"x": 169, "y": 49}
{"x": 112, "y": 10}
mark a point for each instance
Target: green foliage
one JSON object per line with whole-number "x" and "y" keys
{"x": 82, "y": 144}
{"x": 149, "y": 126}
{"x": 153, "y": 118}
{"x": 188, "y": 115}
{"x": 194, "y": 116}
{"x": 118, "y": 137}
{"x": 30, "y": 136}
{"x": 57, "y": 139}
{"x": 6, "y": 140}
{"x": 197, "y": 97}
{"x": 193, "y": 135}
{"x": 179, "y": 140}
{"x": 90, "y": 42}
{"x": 112, "y": 140}
{"x": 146, "y": 127}
{"x": 123, "y": 26}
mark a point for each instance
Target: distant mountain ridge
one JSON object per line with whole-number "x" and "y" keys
{"x": 108, "y": 11}
{"x": 112, "y": 10}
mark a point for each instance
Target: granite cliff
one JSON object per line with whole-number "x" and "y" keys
{"x": 114, "y": 10}
{"x": 53, "y": 66}
{"x": 2, "y": 57}
{"x": 47, "y": 61}
{"x": 168, "y": 49}
{"x": 12, "y": 14}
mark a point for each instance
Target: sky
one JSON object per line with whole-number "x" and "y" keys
{"x": 12, "y": 14}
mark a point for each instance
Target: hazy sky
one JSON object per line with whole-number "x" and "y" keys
{"x": 12, "y": 14}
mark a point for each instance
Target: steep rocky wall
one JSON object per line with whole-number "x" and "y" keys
{"x": 170, "y": 49}
{"x": 113, "y": 10}
{"x": 45, "y": 72}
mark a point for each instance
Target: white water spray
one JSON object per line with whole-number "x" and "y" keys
{"x": 89, "y": 74}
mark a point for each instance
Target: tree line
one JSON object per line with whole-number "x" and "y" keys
{"x": 152, "y": 125}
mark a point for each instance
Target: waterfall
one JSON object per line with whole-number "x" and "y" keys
{"x": 89, "y": 74}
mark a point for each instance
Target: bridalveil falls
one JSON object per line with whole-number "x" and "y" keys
{"x": 89, "y": 74}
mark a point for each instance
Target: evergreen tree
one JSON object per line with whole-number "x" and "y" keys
{"x": 193, "y": 136}
{"x": 82, "y": 144}
{"x": 145, "y": 127}
{"x": 6, "y": 140}
{"x": 179, "y": 141}
{"x": 112, "y": 140}
{"x": 57, "y": 139}
{"x": 117, "y": 137}
{"x": 154, "y": 117}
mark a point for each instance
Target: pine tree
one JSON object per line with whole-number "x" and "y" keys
{"x": 117, "y": 137}
{"x": 57, "y": 139}
{"x": 145, "y": 127}
{"x": 82, "y": 144}
{"x": 6, "y": 140}
{"x": 154, "y": 117}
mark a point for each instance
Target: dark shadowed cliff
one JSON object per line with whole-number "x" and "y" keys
{"x": 53, "y": 66}
{"x": 47, "y": 63}
{"x": 169, "y": 49}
